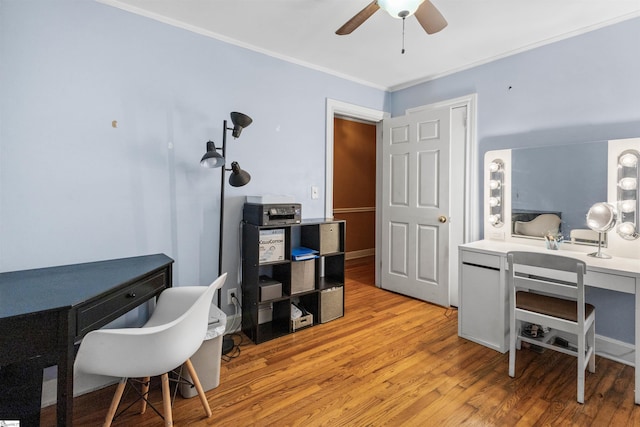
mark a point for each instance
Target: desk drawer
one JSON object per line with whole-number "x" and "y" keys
{"x": 614, "y": 282}
{"x": 481, "y": 260}
{"x": 96, "y": 314}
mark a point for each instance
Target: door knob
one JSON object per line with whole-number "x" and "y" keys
{"x": 442, "y": 219}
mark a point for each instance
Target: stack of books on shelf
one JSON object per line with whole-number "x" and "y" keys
{"x": 301, "y": 253}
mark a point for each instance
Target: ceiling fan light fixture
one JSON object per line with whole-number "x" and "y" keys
{"x": 400, "y": 9}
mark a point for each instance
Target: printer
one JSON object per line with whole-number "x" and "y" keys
{"x": 272, "y": 213}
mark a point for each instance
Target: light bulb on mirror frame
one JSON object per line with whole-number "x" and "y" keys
{"x": 494, "y": 184}
{"x": 627, "y": 206}
{"x": 494, "y": 219}
{"x": 628, "y": 160}
{"x": 627, "y": 230}
{"x": 495, "y": 166}
{"x": 494, "y": 201}
{"x": 628, "y": 183}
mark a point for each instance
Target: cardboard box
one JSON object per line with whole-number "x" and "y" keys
{"x": 269, "y": 288}
{"x": 265, "y": 313}
{"x": 303, "y": 276}
{"x": 271, "y": 245}
{"x": 329, "y": 238}
{"x": 302, "y": 322}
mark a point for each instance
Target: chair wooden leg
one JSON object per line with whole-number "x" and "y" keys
{"x": 145, "y": 392}
{"x": 196, "y": 382}
{"x": 166, "y": 400}
{"x": 115, "y": 402}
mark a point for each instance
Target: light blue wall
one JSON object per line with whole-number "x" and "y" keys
{"x": 580, "y": 89}
{"x": 75, "y": 189}
{"x": 585, "y": 88}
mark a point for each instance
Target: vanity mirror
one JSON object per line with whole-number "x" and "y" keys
{"x": 601, "y": 218}
{"x": 553, "y": 188}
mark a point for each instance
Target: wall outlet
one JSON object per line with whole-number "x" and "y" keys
{"x": 315, "y": 192}
{"x": 233, "y": 291}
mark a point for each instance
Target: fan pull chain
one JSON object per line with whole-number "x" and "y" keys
{"x": 403, "y": 35}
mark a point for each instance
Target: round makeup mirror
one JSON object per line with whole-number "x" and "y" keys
{"x": 601, "y": 218}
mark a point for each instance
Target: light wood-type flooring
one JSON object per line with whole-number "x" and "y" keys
{"x": 390, "y": 361}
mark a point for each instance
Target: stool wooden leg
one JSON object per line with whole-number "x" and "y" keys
{"x": 145, "y": 393}
{"x": 115, "y": 402}
{"x": 196, "y": 382}
{"x": 166, "y": 400}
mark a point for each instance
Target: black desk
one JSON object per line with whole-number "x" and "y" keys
{"x": 44, "y": 312}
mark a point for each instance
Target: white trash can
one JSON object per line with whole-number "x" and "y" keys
{"x": 206, "y": 361}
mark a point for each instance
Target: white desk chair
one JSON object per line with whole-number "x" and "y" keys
{"x": 557, "y": 301}
{"x": 173, "y": 333}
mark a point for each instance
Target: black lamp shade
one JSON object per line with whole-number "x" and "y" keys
{"x": 211, "y": 159}
{"x": 238, "y": 176}
{"x": 240, "y": 121}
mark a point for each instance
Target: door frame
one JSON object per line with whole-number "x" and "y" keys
{"x": 468, "y": 184}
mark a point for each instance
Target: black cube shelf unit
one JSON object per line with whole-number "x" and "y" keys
{"x": 321, "y": 295}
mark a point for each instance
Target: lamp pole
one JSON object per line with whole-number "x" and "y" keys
{"x": 212, "y": 159}
{"x": 222, "y": 176}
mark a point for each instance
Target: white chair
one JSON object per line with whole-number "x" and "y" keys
{"x": 548, "y": 290}
{"x": 173, "y": 333}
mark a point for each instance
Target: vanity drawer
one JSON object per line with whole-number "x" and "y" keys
{"x": 98, "y": 313}
{"x": 614, "y": 282}
{"x": 481, "y": 260}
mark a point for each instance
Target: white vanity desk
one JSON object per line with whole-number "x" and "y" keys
{"x": 483, "y": 306}
{"x": 483, "y": 312}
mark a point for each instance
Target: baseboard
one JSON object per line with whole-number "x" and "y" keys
{"x": 615, "y": 350}
{"x": 609, "y": 348}
{"x": 82, "y": 384}
{"x": 360, "y": 254}
{"x": 49, "y": 388}
{"x": 234, "y": 320}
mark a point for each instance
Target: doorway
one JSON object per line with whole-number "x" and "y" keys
{"x": 464, "y": 169}
{"x": 354, "y": 184}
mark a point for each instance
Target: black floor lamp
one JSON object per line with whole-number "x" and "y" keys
{"x": 238, "y": 178}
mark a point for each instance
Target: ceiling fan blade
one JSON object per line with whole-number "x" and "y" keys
{"x": 430, "y": 17}
{"x": 358, "y": 19}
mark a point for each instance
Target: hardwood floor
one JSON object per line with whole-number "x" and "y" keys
{"x": 390, "y": 361}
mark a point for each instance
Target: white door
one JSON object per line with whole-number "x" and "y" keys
{"x": 415, "y": 205}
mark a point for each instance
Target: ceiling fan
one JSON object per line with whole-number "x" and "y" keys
{"x": 425, "y": 12}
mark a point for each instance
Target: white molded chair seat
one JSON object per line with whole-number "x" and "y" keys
{"x": 548, "y": 290}
{"x": 173, "y": 333}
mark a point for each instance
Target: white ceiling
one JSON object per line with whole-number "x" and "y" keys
{"x": 303, "y": 32}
